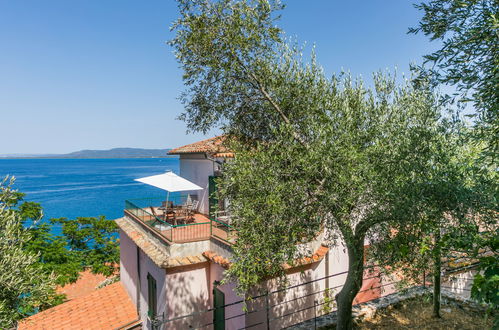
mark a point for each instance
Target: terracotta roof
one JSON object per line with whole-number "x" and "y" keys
{"x": 158, "y": 255}
{"x": 153, "y": 250}
{"x": 86, "y": 283}
{"x": 316, "y": 257}
{"x": 212, "y": 256}
{"x": 213, "y": 146}
{"x": 224, "y": 155}
{"x": 106, "y": 308}
{"x": 184, "y": 261}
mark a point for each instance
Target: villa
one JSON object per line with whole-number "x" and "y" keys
{"x": 174, "y": 270}
{"x": 172, "y": 264}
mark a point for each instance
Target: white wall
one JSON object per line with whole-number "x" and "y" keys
{"x": 197, "y": 169}
{"x": 338, "y": 263}
{"x": 459, "y": 283}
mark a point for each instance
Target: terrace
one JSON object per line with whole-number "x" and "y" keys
{"x": 175, "y": 223}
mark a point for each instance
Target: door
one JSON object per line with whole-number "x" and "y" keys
{"x": 219, "y": 312}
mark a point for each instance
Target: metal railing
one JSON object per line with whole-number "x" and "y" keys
{"x": 285, "y": 306}
{"x": 191, "y": 232}
{"x": 140, "y": 209}
{"x": 223, "y": 231}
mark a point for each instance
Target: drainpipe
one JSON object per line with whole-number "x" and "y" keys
{"x": 138, "y": 283}
{"x": 327, "y": 269}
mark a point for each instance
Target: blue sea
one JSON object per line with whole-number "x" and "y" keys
{"x": 84, "y": 187}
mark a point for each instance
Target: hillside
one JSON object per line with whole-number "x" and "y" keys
{"x": 111, "y": 153}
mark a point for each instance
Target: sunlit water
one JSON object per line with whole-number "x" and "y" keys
{"x": 84, "y": 187}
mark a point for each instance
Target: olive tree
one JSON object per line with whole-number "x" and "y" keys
{"x": 311, "y": 151}
{"x": 24, "y": 287}
{"x": 468, "y": 57}
{"x": 456, "y": 208}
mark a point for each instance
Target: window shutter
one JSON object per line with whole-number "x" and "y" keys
{"x": 151, "y": 296}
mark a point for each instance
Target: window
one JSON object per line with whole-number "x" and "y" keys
{"x": 151, "y": 296}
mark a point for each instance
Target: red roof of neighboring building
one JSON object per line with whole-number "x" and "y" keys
{"x": 106, "y": 308}
{"x": 212, "y": 146}
{"x": 86, "y": 283}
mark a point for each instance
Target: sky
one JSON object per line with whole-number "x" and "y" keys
{"x": 93, "y": 74}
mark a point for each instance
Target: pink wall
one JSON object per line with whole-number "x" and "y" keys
{"x": 128, "y": 265}
{"x": 187, "y": 291}
{"x": 148, "y": 266}
{"x": 460, "y": 283}
{"x": 216, "y": 274}
{"x": 290, "y": 306}
{"x": 129, "y": 277}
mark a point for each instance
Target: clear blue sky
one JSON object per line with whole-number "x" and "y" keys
{"x": 98, "y": 74}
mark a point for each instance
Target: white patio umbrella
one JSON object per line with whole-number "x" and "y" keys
{"x": 170, "y": 182}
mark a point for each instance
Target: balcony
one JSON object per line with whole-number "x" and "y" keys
{"x": 175, "y": 223}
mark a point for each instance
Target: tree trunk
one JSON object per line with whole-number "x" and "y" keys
{"x": 437, "y": 261}
{"x": 353, "y": 283}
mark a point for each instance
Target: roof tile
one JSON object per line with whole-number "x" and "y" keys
{"x": 212, "y": 146}
{"x": 106, "y": 308}
{"x": 86, "y": 283}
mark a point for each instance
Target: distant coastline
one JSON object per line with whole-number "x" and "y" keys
{"x": 96, "y": 154}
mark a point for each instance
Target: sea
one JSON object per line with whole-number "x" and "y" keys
{"x": 73, "y": 188}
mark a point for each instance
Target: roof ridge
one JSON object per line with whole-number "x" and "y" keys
{"x": 210, "y": 145}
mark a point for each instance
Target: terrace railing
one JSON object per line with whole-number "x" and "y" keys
{"x": 140, "y": 210}
{"x": 149, "y": 221}
{"x": 223, "y": 231}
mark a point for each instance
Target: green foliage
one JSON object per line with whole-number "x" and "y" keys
{"x": 328, "y": 302}
{"x": 85, "y": 243}
{"x": 348, "y": 176}
{"x": 34, "y": 260}
{"x": 225, "y": 49}
{"x": 469, "y": 60}
{"x": 312, "y": 151}
{"x": 486, "y": 286}
{"x": 454, "y": 211}
{"x": 54, "y": 256}
{"x": 25, "y": 287}
{"x": 469, "y": 56}
{"x": 93, "y": 242}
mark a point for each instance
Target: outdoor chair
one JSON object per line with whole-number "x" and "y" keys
{"x": 162, "y": 225}
{"x": 167, "y": 208}
{"x": 166, "y": 205}
{"x": 181, "y": 215}
{"x": 153, "y": 213}
{"x": 188, "y": 201}
{"x": 223, "y": 217}
{"x": 192, "y": 209}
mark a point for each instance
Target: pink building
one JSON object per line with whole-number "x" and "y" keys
{"x": 171, "y": 265}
